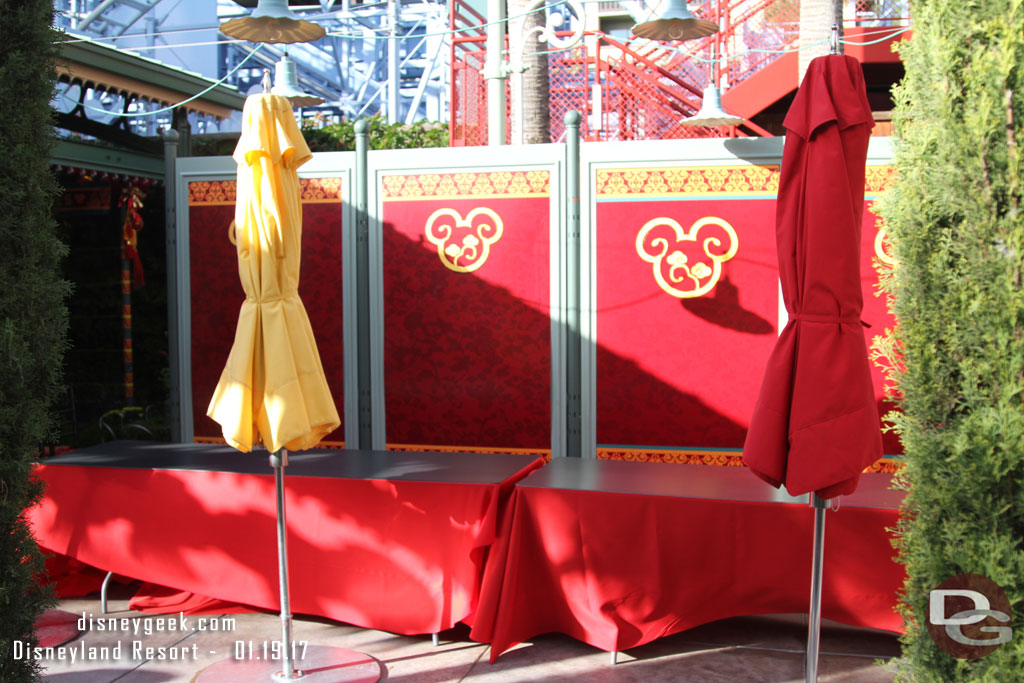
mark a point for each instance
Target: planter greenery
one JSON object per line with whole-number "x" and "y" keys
{"x": 340, "y": 137}
{"x": 33, "y": 319}
{"x": 956, "y": 225}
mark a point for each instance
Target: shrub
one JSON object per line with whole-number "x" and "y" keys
{"x": 383, "y": 135}
{"x": 33, "y": 319}
{"x": 957, "y": 231}
{"x": 340, "y": 137}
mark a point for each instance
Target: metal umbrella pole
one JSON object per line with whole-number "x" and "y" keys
{"x": 263, "y": 112}
{"x": 814, "y": 618}
{"x": 278, "y": 461}
{"x": 322, "y": 664}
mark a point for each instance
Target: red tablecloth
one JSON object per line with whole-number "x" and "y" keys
{"x": 629, "y": 552}
{"x": 400, "y": 550}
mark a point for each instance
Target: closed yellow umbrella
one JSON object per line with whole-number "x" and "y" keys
{"x": 273, "y": 387}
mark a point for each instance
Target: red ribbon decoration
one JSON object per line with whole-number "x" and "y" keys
{"x": 131, "y": 200}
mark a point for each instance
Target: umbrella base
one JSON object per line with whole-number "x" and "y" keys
{"x": 55, "y": 627}
{"x": 320, "y": 664}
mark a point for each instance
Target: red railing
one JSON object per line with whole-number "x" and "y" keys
{"x": 640, "y": 100}
{"x": 640, "y": 91}
{"x": 636, "y": 98}
{"x": 753, "y": 33}
{"x": 467, "y": 88}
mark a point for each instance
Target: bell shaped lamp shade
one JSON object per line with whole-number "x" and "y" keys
{"x": 711, "y": 113}
{"x": 273, "y": 22}
{"x": 675, "y": 23}
{"x": 286, "y": 83}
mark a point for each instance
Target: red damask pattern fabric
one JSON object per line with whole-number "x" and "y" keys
{"x": 876, "y": 312}
{"x": 684, "y": 372}
{"x": 468, "y": 354}
{"x": 216, "y": 296}
{"x": 674, "y": 371}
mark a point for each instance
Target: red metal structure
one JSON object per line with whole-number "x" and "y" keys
{"x": 640, "y": 89}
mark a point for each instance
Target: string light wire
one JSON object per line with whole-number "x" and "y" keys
{"x": 889, "y": 34}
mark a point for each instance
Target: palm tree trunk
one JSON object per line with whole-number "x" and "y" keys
{"x": 816, "y": 20}
{"x": 534, "y": 92}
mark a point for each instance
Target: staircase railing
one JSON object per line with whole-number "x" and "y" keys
{"x": 753, "y": 34}
{"x": 641, "y": 89}
{"x": 638, "y": 98}
{"x": 467, "y": 88}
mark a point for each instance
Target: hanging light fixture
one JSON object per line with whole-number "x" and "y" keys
{"x": 286, "y": 83}
{"x": 273, "y": 22}
{"x": 675, "y": 23}
{"x": 711, "y": 113}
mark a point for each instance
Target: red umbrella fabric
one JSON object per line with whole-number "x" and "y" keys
{"x": 815, "y": 426}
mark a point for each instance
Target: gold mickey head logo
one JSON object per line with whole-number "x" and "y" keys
{"x": 463, "y": 244}
{"x": 687, "y": 270}
{"x": 883, "y": 249}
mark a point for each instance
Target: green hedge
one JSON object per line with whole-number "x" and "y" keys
{"x": 383, "y": 135}
{"x": 955, "y": 221}
{"x": 340, "y": 137}
{"x": 33, "y": 319}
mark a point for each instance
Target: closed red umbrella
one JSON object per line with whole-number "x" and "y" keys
{"x": 815, "y": 426}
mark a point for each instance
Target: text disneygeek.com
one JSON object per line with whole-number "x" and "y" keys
{"x": 136, "y": 648}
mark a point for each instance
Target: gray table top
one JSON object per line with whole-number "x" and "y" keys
{"x": 469, "y": 468}
{"x": 692, "y": 481}
{"x": 578, "y": 474}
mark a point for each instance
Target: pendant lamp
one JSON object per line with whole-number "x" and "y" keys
{"x": 675, "y": 23}
{"x": 273, "y": 22}
{"x": 286, "y": 83}
{"x": 711, "y": 113}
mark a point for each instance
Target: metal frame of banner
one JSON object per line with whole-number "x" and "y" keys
{"x": 573, "y": 296}
{"x": 361, "y": 268}
{"x": 639, "y": 154}
{"x": 549, "y": 157}
{"x": 192, "y": 169}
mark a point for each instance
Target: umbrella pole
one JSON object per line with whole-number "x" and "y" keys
{"x": 814, "y": 621}
{"x": 278, "y": 460}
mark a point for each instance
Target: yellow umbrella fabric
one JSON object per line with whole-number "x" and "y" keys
{"x": 273, "y": 387}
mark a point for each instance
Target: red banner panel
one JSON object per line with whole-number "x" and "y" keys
{"x": 874, "y": 251}
{"x": 682, "y": 346}
{"x": 217, "y": 293}
{"x": 467, "y": 329}
{"x": 687, "y": 303}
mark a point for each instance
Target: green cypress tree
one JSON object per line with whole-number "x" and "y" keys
{"x": 33, "y": 318}
{"x": 957, "y": 231}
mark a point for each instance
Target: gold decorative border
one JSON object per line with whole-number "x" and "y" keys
{"x": 680, "y": 457}
{"x": 710, "y": 181}
{"x": 223, "y": 192}
{"x": 330, "y": 445}
{"x": 878, "y": 178}
{"x": 320, "y": 190}
{"x": 543, "y": 452}
{"x": 886, "y": 465}
{"x": 493, "y": 184}
{"x": 211, "y": 192}
{"x": 687, "y": 181}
